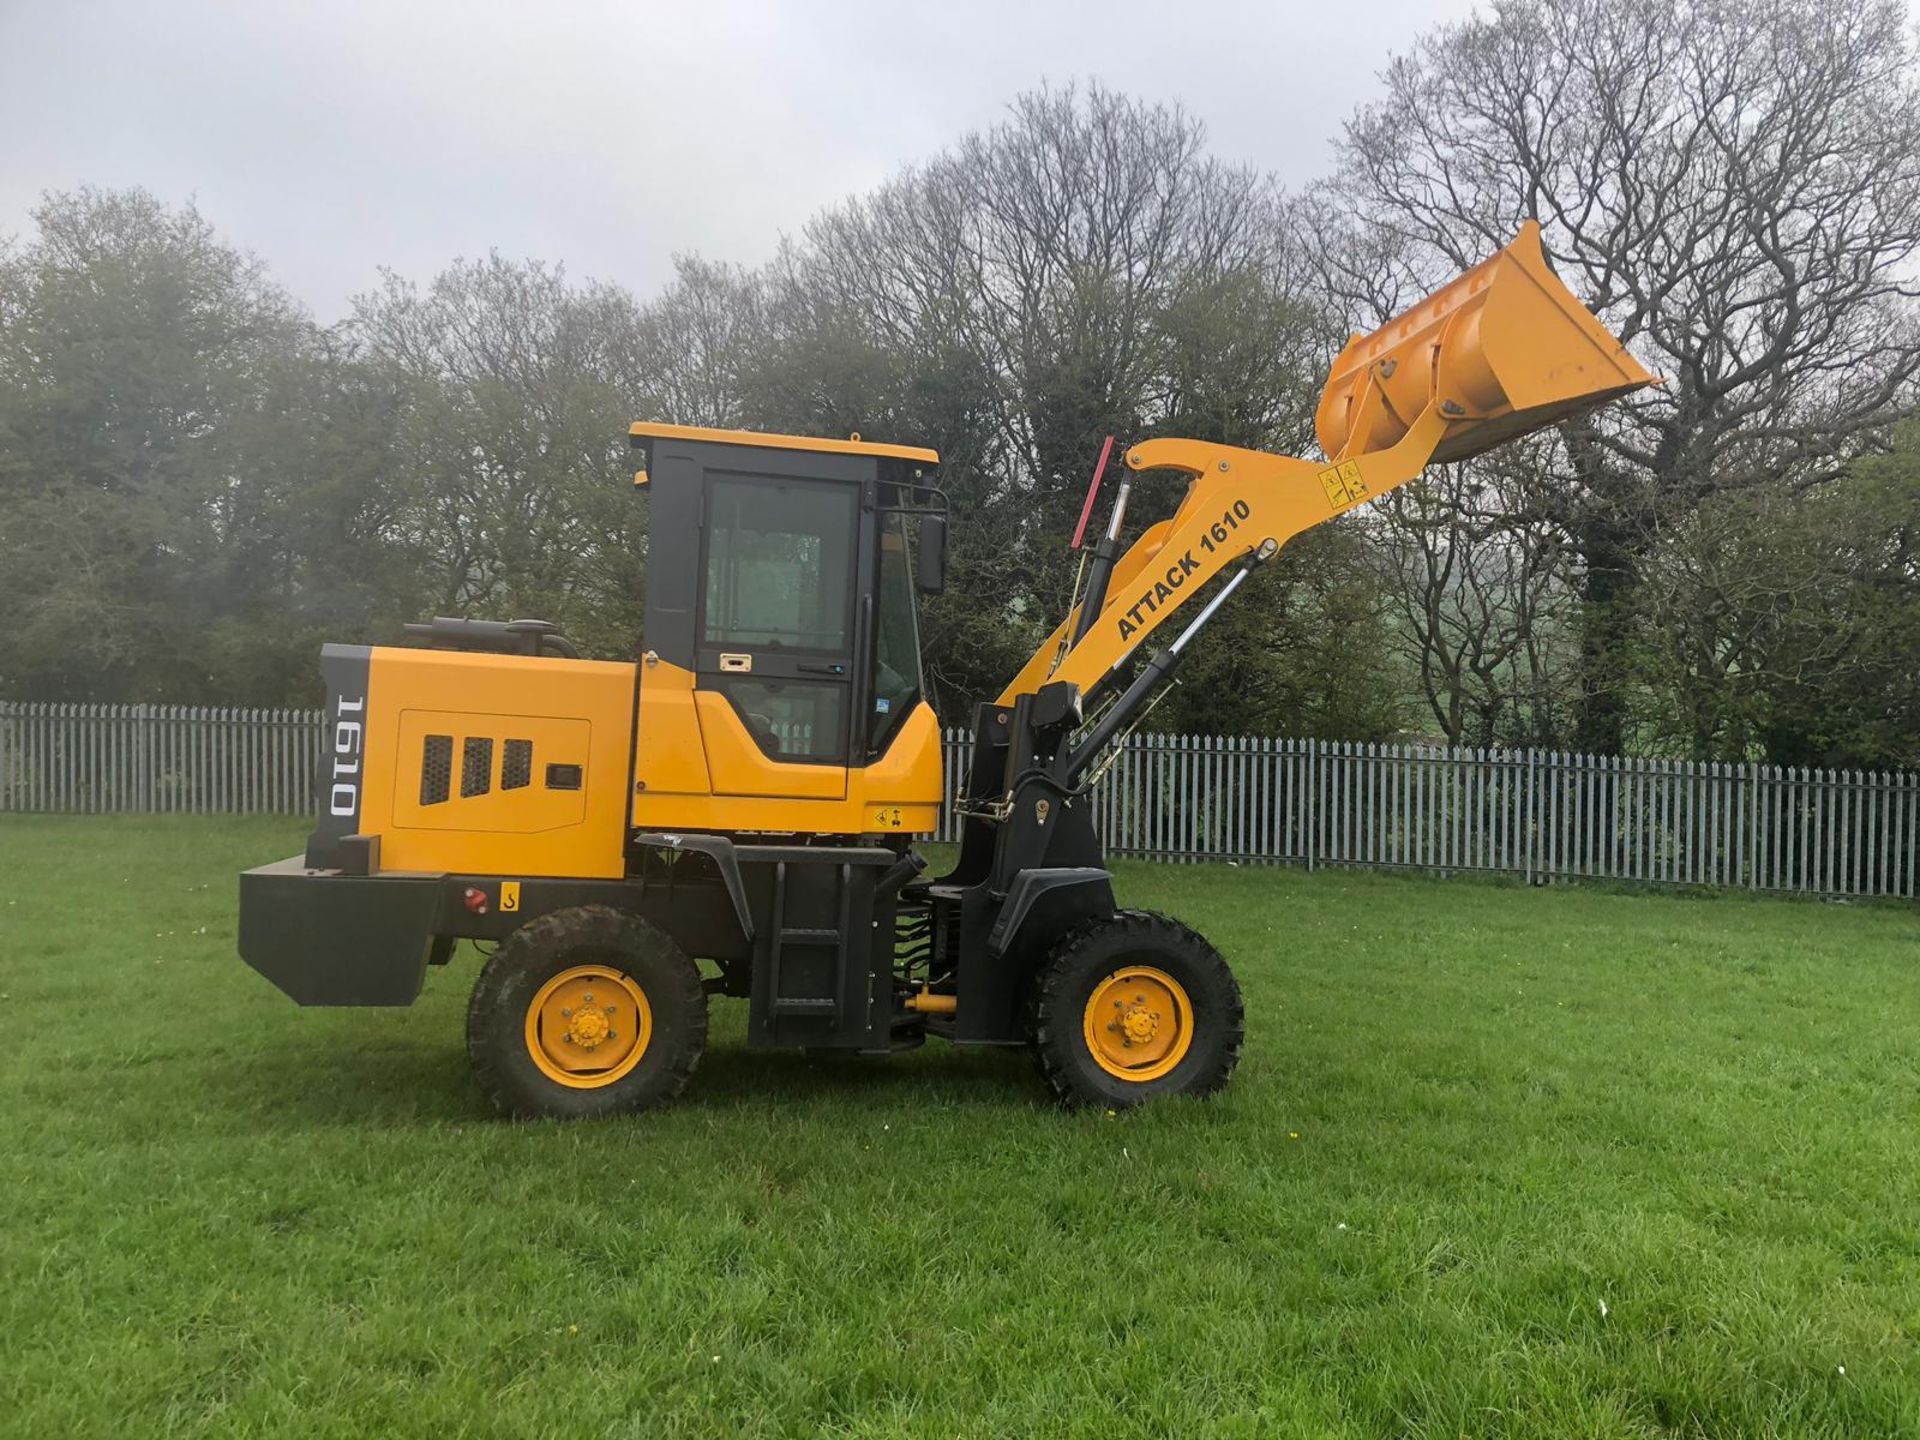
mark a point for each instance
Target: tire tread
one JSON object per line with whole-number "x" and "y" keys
{"x": 1058, "y": 1047}
{"x": 539, "y": 943}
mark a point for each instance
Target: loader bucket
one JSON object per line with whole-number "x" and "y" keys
{"x": 1503, "y": 350}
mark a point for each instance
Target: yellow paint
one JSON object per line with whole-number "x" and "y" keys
{"x": 671, "y": 758}
{"x": 646, "y": 430}
{"x": 1501, "y": 351}
{"x": 928, "y": 1003}
{"x": 581, "y": 712}
{"x": 740, "y": 767}
{"x": 697, "y": 768}
{"x": 1138, "y": 1023}
{"x": 533, "y": 808}
{"x": 588, "y": 1026}
{"x": 641, "y": 478}
{"x": 1263, "y": 496}
{"x": 575, "y": 712}
{"x": 509, "y": 896}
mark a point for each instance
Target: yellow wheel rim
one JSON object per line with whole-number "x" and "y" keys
{"x": 588, "y": 1026}
{"x": 1139, "y": 1023}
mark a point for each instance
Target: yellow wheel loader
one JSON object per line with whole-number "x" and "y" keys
{"x": 733, "y": 812}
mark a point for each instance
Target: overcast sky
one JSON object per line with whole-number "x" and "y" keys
{"x": 332, "y": 138}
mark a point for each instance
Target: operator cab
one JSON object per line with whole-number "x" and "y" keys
{"x": 780, "y": 674}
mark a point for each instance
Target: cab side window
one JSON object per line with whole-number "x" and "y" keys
{"x": 896, "y": 650}
{"x": 779, "y": 565}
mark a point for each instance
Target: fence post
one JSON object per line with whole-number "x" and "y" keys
{"x": 1309, "y": 812}
{"x": 1529, "y": 816}
{"x": 142, "y": 761}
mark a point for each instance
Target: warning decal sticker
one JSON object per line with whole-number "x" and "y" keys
{"x": 1343, "y": 484}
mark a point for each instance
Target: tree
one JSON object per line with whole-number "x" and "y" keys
{"x": 512, "y": 436}
{"x": 1082, "y": 269}
{"x": 1735, "y": 189}
{"x": 1783, "y": 625}
{"x": 159, "y": 396}
{"x": 694, "y": 353}
{"x": 1484, "y": 597}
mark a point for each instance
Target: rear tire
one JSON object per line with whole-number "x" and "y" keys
{"x": 1132, "y": 1006}
{"x": 586, "y": 1012}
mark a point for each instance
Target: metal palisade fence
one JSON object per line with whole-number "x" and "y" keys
{"x": 136, "y": 759}
{"x": 1539, "y": 815}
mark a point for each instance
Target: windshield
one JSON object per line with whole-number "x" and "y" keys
{"x": 896, "y": 648}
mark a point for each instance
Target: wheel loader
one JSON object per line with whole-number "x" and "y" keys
{"x": 734, "y": 812}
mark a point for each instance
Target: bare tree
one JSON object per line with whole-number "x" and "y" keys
{"x": 1082, "y": 269}
{"x": 1735, "y": 188}
{"x": 513, "y": 428}
{"x": 1485, "y": 601}
{"x": 692, "y": 355}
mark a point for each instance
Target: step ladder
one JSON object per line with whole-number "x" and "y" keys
{"x": 838, "y": 941}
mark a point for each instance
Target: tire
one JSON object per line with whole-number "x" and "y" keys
{"x": 586, "y": 1012}
{"x": 1133, "y": 1006}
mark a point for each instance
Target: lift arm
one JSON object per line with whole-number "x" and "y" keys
{"x": 1500, "y": 352}
{"x": 1236, "y": 500}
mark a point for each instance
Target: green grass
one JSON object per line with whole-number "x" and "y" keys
{"x": 1497, "y": 1162}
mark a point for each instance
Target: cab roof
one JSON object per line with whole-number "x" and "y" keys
{"x": 852, "y": 445}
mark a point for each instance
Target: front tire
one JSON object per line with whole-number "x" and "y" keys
{"x": 1132, "y": 1006}
{"x": 586, "y": 1012}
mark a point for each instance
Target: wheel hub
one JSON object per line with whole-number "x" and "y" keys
{"x": 588, "y": 1026}
{"x": 1139, "y": 1023}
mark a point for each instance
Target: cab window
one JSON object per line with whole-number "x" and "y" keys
{"x": 896, "y": 648}
{"x": 779, "y": 564}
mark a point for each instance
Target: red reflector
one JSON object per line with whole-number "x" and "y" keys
{"x": 1086, "y": 510}
{"x": 476, "y": 899}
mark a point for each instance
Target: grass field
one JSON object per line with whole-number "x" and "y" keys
{"x": 1497, "y": 1162}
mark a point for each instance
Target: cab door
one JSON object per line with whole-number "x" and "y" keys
{"x": 778, "y": 632}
